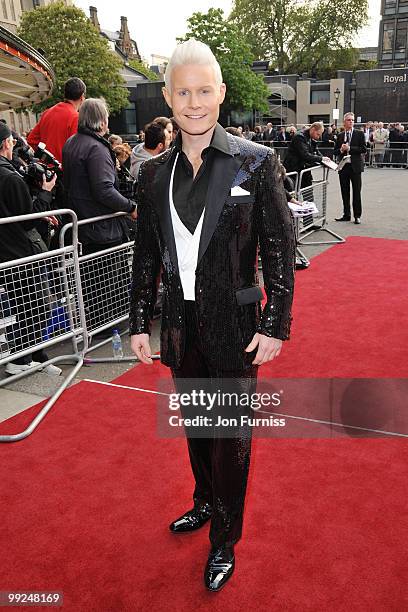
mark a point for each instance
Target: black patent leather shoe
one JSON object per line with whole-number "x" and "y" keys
{"x": 357, "y": 220}
{"x": 343, "y": 218}
{"x": 192, "y": 520}
{"x": 220, "y": 567}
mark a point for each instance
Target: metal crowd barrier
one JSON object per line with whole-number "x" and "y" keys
{"x": 41, "y": 305}
{"x": 303, "y": 260}
{"x": 106, "y": 278}
{"x": 62, "y": 295}
{"x": 389, "y": 157}
{"x": 105, "y": 281}
{"x": 294, "y": 177}
{"x": 317, "y": 193}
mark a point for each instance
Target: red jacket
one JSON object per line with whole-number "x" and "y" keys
{"x": 54, "y": 128}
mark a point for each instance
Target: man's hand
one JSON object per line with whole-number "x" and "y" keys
{"x": 52, "y": 219}
{"x": 344, "y": 147}
{"x": 134, "y": 214}
{"x": 141, "y": 347}
{"x": 49, "y": 185}
{"x": 326, "y": 160}
{"x": 268, "y": 348}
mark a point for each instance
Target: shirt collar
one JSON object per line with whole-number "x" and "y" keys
{"x": 219, "y": 141}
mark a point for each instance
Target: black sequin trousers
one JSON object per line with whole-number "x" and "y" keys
{"x": 220, "y": 465}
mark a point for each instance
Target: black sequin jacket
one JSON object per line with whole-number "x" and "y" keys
{"x": 233, "y": 227}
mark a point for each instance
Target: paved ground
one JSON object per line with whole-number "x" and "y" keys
{"x": 385, "y": 215}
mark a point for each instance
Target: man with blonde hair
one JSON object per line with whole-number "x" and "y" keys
{"x": 351, "y": 146}
{"x": 203, "y": 207}
{"x": 303, "y": 152}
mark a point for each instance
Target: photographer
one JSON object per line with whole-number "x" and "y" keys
{"x": 25, "y": 294}
{"x": 19, "y": 239}
{"x": 34, "y": 166}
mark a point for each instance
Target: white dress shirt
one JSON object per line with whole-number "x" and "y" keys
{"x": 187, "y": 244}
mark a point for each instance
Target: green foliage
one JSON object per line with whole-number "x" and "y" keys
{"x": 74, "y": 47}
{"x": 144, "y": 69}
{"x": 339, "y": 59}
{"x": 245, "y": 89}
{"x": 299, "y": 36}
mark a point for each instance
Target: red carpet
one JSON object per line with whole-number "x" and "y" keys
{"x": 87, "y": 498}
{"x": 350, "y": 315}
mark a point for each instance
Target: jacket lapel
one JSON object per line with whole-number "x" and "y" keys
{"x": 161, "y": 200}
{"x": 223, "y": 172}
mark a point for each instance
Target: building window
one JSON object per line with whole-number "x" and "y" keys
{"x": 390, "y": 7}
{"x": 320, "y": 96}
{"x": 403, "y": 6}
{"x": 13, "y": 10}
{"x": 130, "y": 118}
{"x": 402, "y": 36}
{"x": 388, "y": 37}
{"x": 5, "y": 15}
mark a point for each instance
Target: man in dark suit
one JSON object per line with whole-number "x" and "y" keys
{"x": 351, "y": 142}
{"x": 282, "y": 135}
{"x": 203, "y": 207}
{"x": 269, "y": 134}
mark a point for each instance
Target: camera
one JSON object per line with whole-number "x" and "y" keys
{"x": 41, "y": 163}
{"x": 35, "y": 171}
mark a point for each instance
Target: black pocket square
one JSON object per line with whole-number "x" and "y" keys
{"x": 249, "y": 295}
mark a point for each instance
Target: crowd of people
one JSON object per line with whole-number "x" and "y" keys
{"x": 94, "y": 173}
{"x": 99, "y": 172}
{"x": 386, "y": 144}
{"x": 375, "y": 132}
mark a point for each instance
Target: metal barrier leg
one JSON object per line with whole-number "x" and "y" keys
{"x": 44, "y": 411}
{"x": 339, "y": 239}
{"x": 127, "y": 358}
{"x": 304, "y": 262}
{"x": 318, "y": 193}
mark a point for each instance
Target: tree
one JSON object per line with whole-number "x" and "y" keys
{"x": 74, "y": 47}
{"x": 245, "y": 89}
{"x": 143, "y": 69}
{"x": 342, "y": 59}
{"x": 299, "y": 36}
